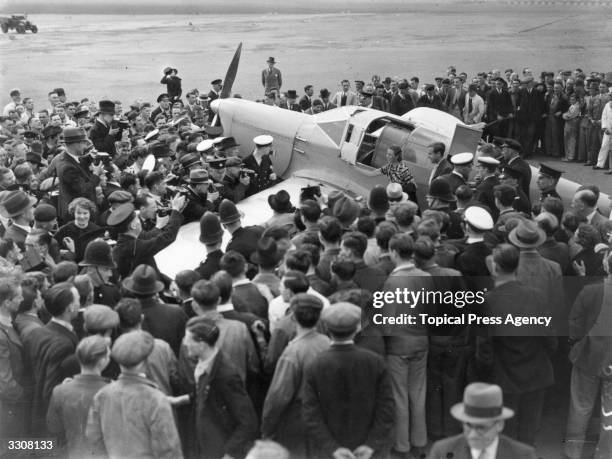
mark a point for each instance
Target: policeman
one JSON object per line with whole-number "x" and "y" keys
{"x": 547, "y": 181}
{"x": 131, "y": 250}
{"x": 487, "y": 168}
{"x": 511, "y": 176}
{"x": 99, "y": 266}
{"x": 259, "y": 161}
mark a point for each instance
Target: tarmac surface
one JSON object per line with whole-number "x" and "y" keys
{"x": 122, "y": 56}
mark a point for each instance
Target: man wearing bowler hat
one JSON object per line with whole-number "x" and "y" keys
{"x": 103, "y": 134}
{"x": 75, "y": 178}
{"x": 271, "y": 78}
{"x": 482, "y": 414}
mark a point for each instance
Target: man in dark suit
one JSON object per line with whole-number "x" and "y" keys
{"x": 347, "y": 382}
{"x": 215, "y": 92}
{"x": 430, "y": 99}
{"x": 401, "y": 102}
{"x": 17, "y": 205}
{"x": 290, "y": 102}
{"x": 76, "y": 179}
{"x": 519, "y": 358}
{"x": 547, "y": 181}
{"x": 132, "y": 249}
{"x": 163, "y": 321}
{"x": 306, "y": 100}
{"x": 353, "y": 247}
{"x": 324, "y": 95}
{"x": 163, "y": 108}
{"x": 487, "y": 168}
{"x": 511, "y": 150}
{"x": 499, "y": 108}
{"x": 225, "y": 421}
{"x": 529, "y": 112}
{"x": 482, "y": 414}
{"x": 103, "y": 134}
{"x": 435, "y": 153}
{"x": 51, "y": 348}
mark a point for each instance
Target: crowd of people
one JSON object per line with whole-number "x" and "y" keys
{"x": 270, "y": 347}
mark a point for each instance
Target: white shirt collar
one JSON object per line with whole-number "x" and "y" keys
{"x": 225, "y": 307}
{"x": 402, "y": 266}
{"x": 241, "y": 282}
{"x": 63, "y": 323}
{"x": 589, "y": 217}
{"x": 26, "y": 228}
{"x": 474, "y": 239}
{"x": 490, "y": 451}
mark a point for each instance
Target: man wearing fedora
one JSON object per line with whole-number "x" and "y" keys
{"x": 199, "y": 198}
{"x": 324, "y": 96}
{"x": 103, "y": 134}
{"x": 163, "y": 321}
{"x": 173, "y": 83}
{"x": 17, "y": 205}
{"x": 211, "y": 235}
{"x": 271, "y": 78}
{"x": 284, "y": 212}
{"x": 75, "y": 179}
{"x": 483, "y": 416}
{"x": 290, "y": 103}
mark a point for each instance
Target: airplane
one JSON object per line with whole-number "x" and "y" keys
{"x": 345, "y": 147}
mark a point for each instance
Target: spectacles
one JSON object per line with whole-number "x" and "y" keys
{"x": 479, "y": 428}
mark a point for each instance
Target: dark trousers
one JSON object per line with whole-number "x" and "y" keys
{"x": 527, "y": 134}
{"x": 446, "y": 377}
{"x": 527, "y": 415}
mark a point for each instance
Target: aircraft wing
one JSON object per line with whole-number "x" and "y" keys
{"x": 186, "y": 252}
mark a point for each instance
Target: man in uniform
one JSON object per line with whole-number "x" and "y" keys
{"x": 462, "y": 166}
{"x": 102, "y": 134}
{"x": 511, "y": 176}
{"x": 51, "y": 145}
{"x": 211, "y": 235}
{"x": 487, "y": 168}
{"x": 511, "y": 151}
{"x": 260, "y": 162}
{"x": 215, "y": 92}
{"x": 271, "y": 78}
{"x": 547, "y": 181}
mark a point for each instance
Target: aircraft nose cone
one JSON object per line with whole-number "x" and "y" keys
{"x": 214, "y": 105}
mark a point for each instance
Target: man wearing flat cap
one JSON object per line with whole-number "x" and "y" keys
{"x": 430, "y": 99}
{"x": 75, "y": 178}
{"x": 103, "y": 134}
{"x": 483, "y": 417}
{"x": 202, "y": 195}
{"x": 131, "y": 417}
{"x": 347, "y": 382}
{"x": 487, "y": 171}
{"x": 235, "y": 182}
{"x": 70, "y": 401}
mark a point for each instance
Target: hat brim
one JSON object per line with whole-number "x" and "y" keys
{"x": 211, "y": 239}
{"x": 458, "y": 412}
{"x": 523, "y": 245}
{"x": 445, "y": 198}
{"x": 6, "y": 214}
{"x": 128, "y": 284}
{"x": 100, "y": 265}
{"x": 234, "y": 218}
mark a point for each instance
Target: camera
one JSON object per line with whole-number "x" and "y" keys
{"x": 310, "y": 192}
{"x": 120, "y": 124}
{"x": 163, "y": 211}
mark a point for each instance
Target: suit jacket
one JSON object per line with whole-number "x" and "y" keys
{"x": 436, "y": 102}
{"x": 75, "y": 181}
{"x": 271, "y": 79}
{"x": 261, "y": 181}
{"x": 351, "y": 99}
{"x": 498, "y": 104}
{"x": 50, "y": 349}
{"x": 401, "y": 104}
{"x": 305, "y": 102}
{"x": 130, "y": 252}
{"x": 244, "y": 240}
{"x": 457, "y": 448}
{"x": 455, "y": 102}
{"x": 454, "y": 180}
{"x": 226, "y": 422}
{"x": 99, "y": 135}
{"x": 598, "y": 221}
{"x": 247, "y": 298}
{"x": 348, "y": 401}
{"x": 520, "y": 356}
{"x": 292, "y": 107}
{"x": 17, "y": 235}
{"x": 164, "y": 321}
{"x": 369, "y": 278}
{"x": 484, "y": 194}
{"x": 211, "y": 265}
{"x": 442, "y": 168}
{"x": 529, "y": 106}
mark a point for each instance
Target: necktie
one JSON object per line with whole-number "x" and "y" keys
{"x": 343, "y": 100}
{"x": 470, "y": 106}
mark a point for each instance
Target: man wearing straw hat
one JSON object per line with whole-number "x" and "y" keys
{"x": 483, "y": 416}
